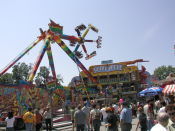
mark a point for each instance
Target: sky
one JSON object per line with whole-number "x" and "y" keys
{"x": 130, "y": 29}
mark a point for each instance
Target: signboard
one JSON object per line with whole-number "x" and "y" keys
{"x": 107, "y": 68}
{"x": 111, "y": 69}
{"x": 107, "y": 62}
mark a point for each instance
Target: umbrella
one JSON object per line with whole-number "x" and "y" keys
{"x": 151, "y": 91}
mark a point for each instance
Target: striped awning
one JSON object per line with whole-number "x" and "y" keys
{"x": 169, "y": 89}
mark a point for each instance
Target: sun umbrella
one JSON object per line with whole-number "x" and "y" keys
{"x": 151, "y": 91}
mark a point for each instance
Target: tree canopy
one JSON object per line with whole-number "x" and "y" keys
{"x": 6, "y": 79}
{"x": 21, "y": 71}
{"x": 163, "y": 71}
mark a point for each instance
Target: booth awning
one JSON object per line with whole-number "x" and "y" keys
{"x": 169, "y": 89}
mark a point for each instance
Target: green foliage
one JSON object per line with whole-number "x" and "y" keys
{"x": 163, "y": 71}
{"x": 6, "y": 79}
{"x": 20, "y": 72}
{"x": 42, "y": 75}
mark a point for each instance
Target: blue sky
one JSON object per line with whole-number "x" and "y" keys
{"x": 131, "y": 29}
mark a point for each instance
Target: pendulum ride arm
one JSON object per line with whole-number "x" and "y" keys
{"x": 84, "y": 48}
{"x": 20, "y": 55}
{"x": 43, "y": 50}
{"x": 77, "y": 47}
{"x": 51, "y": 62}
{"x": 82, "y": 37}
{"x": 73, "y": 57}
{"x": 70, "y": 38}
{"x": 87, "y": 30}
{"x": 82, "y": 40}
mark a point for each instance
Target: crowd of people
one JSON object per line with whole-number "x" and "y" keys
{"x": 86, "y": 118}
{"x": 32, "y": 120}
{"x": 152, "y": 116}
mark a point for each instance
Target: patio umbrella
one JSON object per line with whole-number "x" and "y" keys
{"x": 151, "y": 91}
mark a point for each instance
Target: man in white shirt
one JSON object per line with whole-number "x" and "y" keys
{"x": 162, "y": 109}
{"x": 95, "y": 116}
{"x": 162, "y": 119}
{"x": 48, "y": 118}
{"x": 115, "y": 106}
{"x": 103, "y": 112}
{"x": 10, "y": 122}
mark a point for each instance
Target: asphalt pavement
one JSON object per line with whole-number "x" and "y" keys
{"x": 102, "y": 128}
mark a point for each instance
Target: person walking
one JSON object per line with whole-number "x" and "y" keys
{"x": 170, "y": 109}
{"x": 142, "y": 120}
{"x": 95, "y": 116}
{"x": 126, "y": 118}
{"x": 111, "y": 120}
{"x": 72, "y": 111}
{"x": 10, "y": 122}
{"x": 103, "y": 112}
{"x": 162, "y": 109}
{"x": 150, "y": 116}
{"x": 38, "y": 119}
{"x": 48, "y": 119}
{"x": 162, "y": 119}
{"x": 115, "y": 106}
{"x": 80, "y": 119}
{"x": 148, "y": 110}
{"x": 87, "y": 110}
{"x": 28, "y": 118}
{"x": 134, "y": 109}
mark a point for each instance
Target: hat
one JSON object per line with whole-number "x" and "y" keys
{"x": 121, "y": 100}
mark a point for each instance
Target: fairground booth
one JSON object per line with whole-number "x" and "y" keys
{"x": 118, "y": 80}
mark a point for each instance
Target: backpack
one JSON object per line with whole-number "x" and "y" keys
{"x": 112, "y": 119}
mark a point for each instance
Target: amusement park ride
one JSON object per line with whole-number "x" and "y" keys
{"x": 55, "y": 35}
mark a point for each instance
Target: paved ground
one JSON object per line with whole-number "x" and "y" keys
{"x": 102, "y": 128}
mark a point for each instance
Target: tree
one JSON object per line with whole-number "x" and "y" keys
{"x": 42, "y": 75}
{"x": 21, "y": 72}
{"x": 60, "y": 78}
{"x": 163, "y": 71}
{"x": 6, "y": 79}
